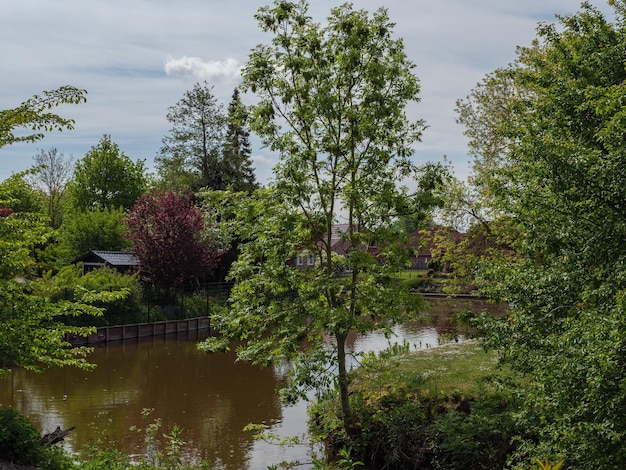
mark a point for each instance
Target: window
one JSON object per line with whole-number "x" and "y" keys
{"x": 311, "y": 260}
{"x": 300, "y": 261}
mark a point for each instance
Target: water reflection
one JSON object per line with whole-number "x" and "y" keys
{"x": 211, "y": 397}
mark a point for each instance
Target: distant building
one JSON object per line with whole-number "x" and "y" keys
{"x": 339, "y": 244}
{"x": 123, "y": 262}
{"x": 422, "y": 241}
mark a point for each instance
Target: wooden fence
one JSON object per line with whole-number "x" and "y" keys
{"x": 141, "y": 330}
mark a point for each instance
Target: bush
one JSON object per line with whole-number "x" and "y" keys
{"x": 119, "y": 312}
{"x": 478, "y": 437}
{"x": 405, "y": 431}
{"x": 19, "y": 440}
{"x": 442, "y": 409}
{"x": 70, "y": 284}
{"x": 20, "y": 443}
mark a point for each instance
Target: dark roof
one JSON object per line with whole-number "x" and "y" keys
{"x": 113, "y": 258}
{"x": 118, "y": 258}
{"x": 339, "y": 240}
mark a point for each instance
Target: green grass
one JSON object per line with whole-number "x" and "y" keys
{"x": 412, "y": 273}
{"x": 441, "y": 407}
{"x": 421, "y": 280}
{"x": 453, "y": 368}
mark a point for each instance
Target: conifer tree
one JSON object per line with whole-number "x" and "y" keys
{"x": 238, "y": 173}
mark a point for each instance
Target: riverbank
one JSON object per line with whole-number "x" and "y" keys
{"x": 435, "y": 408}
{"x": 438, "y": 405}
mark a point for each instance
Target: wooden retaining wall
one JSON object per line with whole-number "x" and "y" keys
{"x": 440, "y": 303}
{"x": 141, "y": 330}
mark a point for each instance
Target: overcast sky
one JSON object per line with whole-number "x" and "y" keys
{"x": 136, "y": 58}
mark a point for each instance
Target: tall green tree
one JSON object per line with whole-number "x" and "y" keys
{"x": 486, "y": 114}
{"x": 33, "y": 332}
{"x": 97, "y": 229}
{"x": 237, "y": 172}
{"x": 106, "y": 178}
{"x": 559, "y": 176}
{"x": 331, "y": 103}
{"x": 34, "y": 114}
{"x": 191, "y": 153}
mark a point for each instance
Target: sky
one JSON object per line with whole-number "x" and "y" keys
{"x": 136, "y": 58}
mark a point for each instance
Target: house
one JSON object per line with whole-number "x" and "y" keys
{"x": 339, "y": 245}
{"x": 123, "y": 262}
{"x": 307, "y": 259}
{"x": 422, "y": 242}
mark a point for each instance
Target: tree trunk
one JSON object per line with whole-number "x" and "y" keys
{"x": 56, "y": 436}
{"x": 343, "y": 381}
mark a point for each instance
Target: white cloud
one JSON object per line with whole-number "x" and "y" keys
{"x": 138, "y": 58}
{"x": 198, "y": 68}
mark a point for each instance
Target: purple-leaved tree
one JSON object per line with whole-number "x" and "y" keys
{"x": 169, "y": 236}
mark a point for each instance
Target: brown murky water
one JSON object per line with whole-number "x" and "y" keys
{"x": 211, "y": 397}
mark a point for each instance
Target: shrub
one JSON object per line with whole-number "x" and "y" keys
{"x": 20, "y": 443}
{"x": 70, "y": 284}
{"x": 477, "y": 437}
{"x": 19, "y": 440}
{"x": 406, "y": 431}
{"x": 441, "y": 409}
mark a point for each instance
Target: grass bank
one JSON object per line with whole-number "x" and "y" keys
{"x": 452, "y": 368}
{"x": 428, "y": 409}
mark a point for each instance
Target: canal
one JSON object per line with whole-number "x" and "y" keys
{"x": 211, "y": 397}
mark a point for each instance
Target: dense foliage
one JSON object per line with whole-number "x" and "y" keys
{"x": 545, "y": 211}
{"x": 547, "y": 132}
{"x": 33, "y": 333}
{"x": 331, "y": 102}
{"x": 96, "y": 229}
{"x": 70, "y": 283}
{"x": 438, "y": 409}
{"x": 171, "y": 238}
{"x": 20, "y": 443}
{"x": 106, "y": 178}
